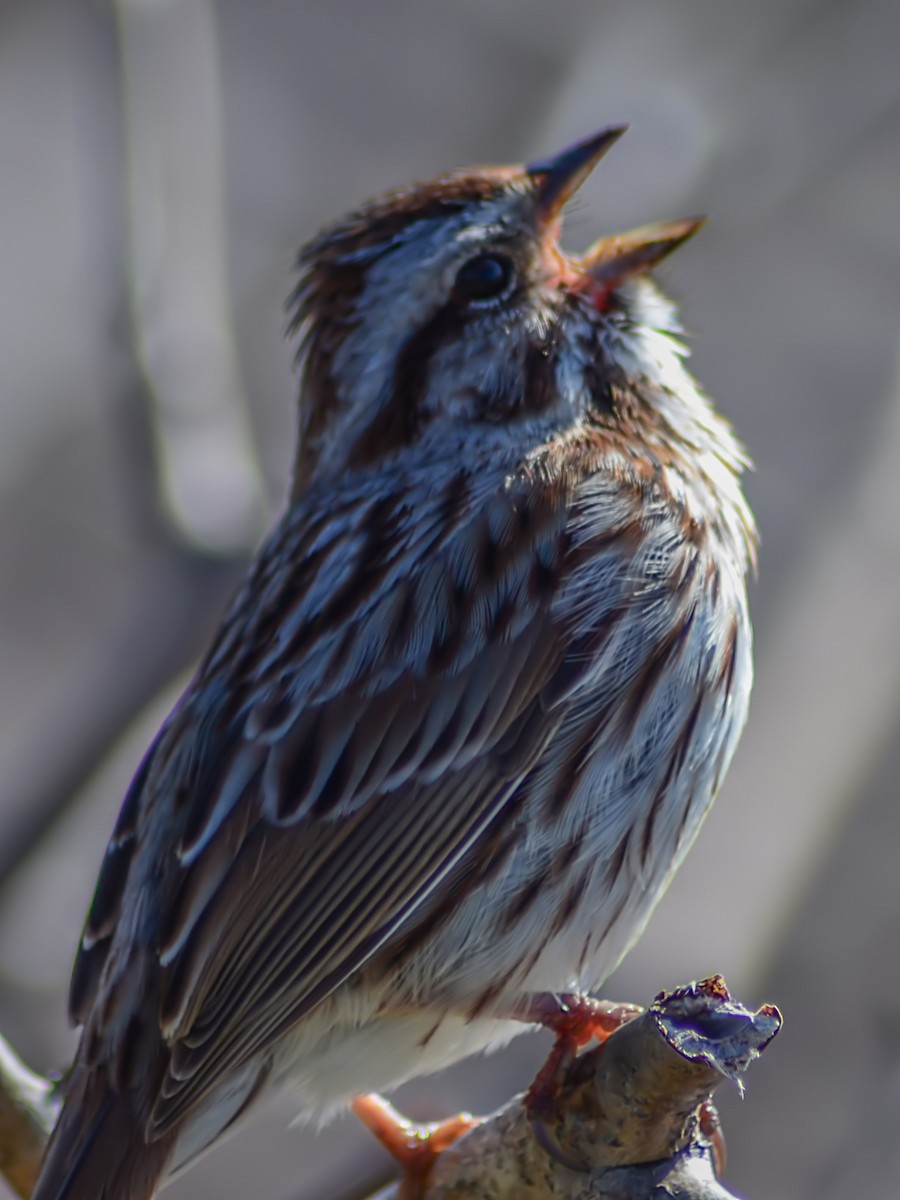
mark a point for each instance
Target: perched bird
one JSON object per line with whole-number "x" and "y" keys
{"x": 468, "y": 709}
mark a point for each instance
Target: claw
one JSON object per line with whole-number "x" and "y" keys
{"x": 549, "y": 1142}
{"x": 575, "y": 1020}
{"x": 415, "y": 1147}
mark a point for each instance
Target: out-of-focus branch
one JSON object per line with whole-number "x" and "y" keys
{"x": 176, "y": 598}
{"x": 627, "y": 1112}
{"x": 208, "y": 477}
{"x": 189, "y": 462}
{"x": 27, "y": 1114}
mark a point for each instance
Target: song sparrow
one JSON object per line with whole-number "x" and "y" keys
{"x": 469, "y": 708}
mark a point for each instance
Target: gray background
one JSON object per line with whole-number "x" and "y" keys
{"x": 159, "y": 163}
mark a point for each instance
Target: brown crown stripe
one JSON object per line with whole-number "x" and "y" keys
{"x": 341, "y": 246}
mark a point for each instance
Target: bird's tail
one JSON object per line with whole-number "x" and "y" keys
{"x": 97, "y": 1150}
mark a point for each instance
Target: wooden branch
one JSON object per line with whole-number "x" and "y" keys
{"x": 27, "y": 1114}
{"x": 628, "y": 1114}
{"x": 627, "y": 1120}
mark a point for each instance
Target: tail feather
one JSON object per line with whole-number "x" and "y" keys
{"x": 98, "y": 1152}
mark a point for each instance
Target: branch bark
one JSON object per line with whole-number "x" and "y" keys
{"x": 628, "y": 1117}
{"x": 627, "y": 1123}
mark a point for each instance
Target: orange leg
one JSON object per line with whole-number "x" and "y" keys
{"x": 415, "y": 1147}
{"x": 576, "y": 1020}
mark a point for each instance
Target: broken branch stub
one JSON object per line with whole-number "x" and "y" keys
{"x": 627, "y": 1115}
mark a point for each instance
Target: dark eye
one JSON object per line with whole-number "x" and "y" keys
{"x": 484, "y": 277}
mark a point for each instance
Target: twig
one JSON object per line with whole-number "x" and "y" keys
{"x": 209, "y": 480}
{"x": 27, "y": 1114}
{"x": 190, "y": 473}
{"x": 628, "y": 1111}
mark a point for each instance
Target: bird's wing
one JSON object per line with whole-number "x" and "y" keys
{"x": 388, "y": 674}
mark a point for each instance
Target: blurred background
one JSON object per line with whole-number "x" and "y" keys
{"x": 160, "y": 161}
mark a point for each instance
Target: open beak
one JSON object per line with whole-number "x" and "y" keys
{"x": 611, "y": 260}
{"x": 558, "y": 178}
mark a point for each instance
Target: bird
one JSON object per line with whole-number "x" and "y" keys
{"x": 466, "y": 712}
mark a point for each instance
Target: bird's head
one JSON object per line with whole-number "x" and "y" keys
{"x": 450, "y": 304}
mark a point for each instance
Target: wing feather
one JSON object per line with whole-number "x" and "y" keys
{"x": 319, "y": 899}
{"x": 317, "y": 785}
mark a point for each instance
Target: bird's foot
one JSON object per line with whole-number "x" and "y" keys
{"x": 415, "y": 1147}
{"x": 575, "y": 1020}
